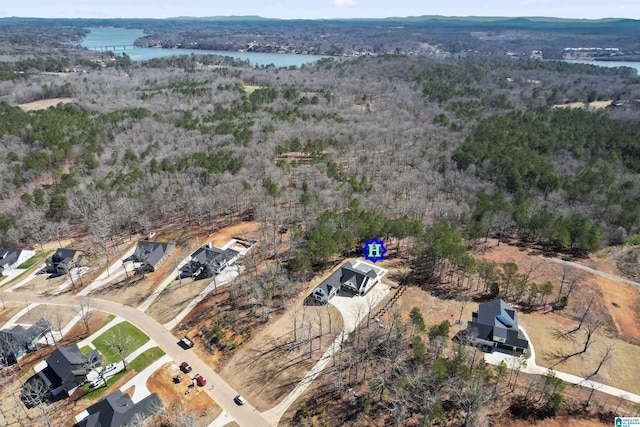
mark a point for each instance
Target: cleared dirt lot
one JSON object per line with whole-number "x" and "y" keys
{"x": 197, "y": 401}
{"x": 10, "y": 310}
{"x": 627, "y": 297}
{"x": 54, "y": 313}
{"x": 44, "y": 104}
{"x": 616, "y": 300}
{"x": 175, "y": 298}
{"x": 270, "y": 365}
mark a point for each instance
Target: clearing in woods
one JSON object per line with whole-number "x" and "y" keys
{"x": 616, "y": 302}
{"x": 43, "y": 104}
{"x": 271, "y": 364}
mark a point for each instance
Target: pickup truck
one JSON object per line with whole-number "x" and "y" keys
{"x": 186, "y": 342}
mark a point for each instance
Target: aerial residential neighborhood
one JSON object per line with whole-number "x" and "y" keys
{"x": 319, "y": 214}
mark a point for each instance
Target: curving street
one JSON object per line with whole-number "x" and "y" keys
{"x": 221, "y": 391}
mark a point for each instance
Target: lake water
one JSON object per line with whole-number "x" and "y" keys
{"x": 635, "y": 65}
{"x": 121, "y": 37}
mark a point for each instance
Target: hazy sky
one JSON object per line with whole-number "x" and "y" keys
{"x": 312, "y": 9}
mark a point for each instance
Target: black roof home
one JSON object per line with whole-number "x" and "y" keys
{"x": 117, "y": 410}
{"x": 495, "y": 324}
{"x": 63, "y": 260}
{"x": 17, "y": 341}
{"x": 152, "y": 254}
{"x": 208, "y": 260}
{"x": 11, "y": 258}
{"x": 67, "y": 368}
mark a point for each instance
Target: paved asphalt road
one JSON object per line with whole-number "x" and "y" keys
{"x": 222, "y": 392}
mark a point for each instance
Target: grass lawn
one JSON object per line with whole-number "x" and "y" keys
{"x": 137, "y": 365}
{"x": 85, "y": 350}
{"x": 125, "y": 329}
{"x": 32, "y": 261}
{"x": 146, "y": 358}
{"x": 36, "y": 260}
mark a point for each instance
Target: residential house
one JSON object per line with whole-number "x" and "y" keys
{"x": 67, "y": 368}
{"x": 17, "y": 341}
{"x": 151, "y": 254}
{"x": 117, "y": 410}
{"x": 63, "y": 260}
{"x": 12, "y": 258}
{"x": 208, "y": 260}
{"x": 356, "y": 280}
{"x": 495, "y": 325}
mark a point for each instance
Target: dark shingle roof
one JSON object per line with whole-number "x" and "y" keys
{"x": 8, "y": 257}
{"x": 152, "y": 253}
{"x": 118, "y": 409}
{"x": 219, "y": 256}
{"x": 16, "y": 338}
{"x": 496, "y": 318}
{"x": 70, "y": 365}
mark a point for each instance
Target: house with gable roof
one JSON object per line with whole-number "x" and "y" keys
{"x": 17, "y": 341}
{"x": 67, "y": 369}
{"x": 495, "y": 325}
{"x": 117, "y": 410}
{"x": 12, "y": 258}
{"x": 63, "y": 260}
{"x": 209, "y": 260}
{"x": 357, "y": 279}
{"x": 152, "y": 254}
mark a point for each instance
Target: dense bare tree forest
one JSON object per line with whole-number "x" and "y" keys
{"x": 437, "y": 149}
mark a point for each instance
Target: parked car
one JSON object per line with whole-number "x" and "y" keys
{"x": 200, "y": 380}
{"x": 97, "y": 382}
{"x": 186, "y": 342}
{"x": 110, "y": 367}
{"x": 184, "y": 367}
{"x": 239, "y": 400}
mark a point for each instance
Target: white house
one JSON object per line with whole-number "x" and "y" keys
{"x": 12, "y": 258}
{"x": 357, "y": 279}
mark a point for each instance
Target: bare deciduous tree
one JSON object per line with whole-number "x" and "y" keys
{"x": 86, "y": 311}
{"x": 121, "y": 344}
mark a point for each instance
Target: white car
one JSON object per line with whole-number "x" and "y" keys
{"x": 97, "y": 382}
{"x": 110, "y": 367}
{"x": 239, "y": 400}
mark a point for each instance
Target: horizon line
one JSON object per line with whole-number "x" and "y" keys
{"x": 220, "y": 17}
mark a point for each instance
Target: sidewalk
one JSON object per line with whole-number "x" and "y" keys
{"x": 140, "y": 380}
{"x": 224, "y": 278}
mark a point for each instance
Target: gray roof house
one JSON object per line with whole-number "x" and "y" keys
{"x": 12, "y": 258}
{"x": 152, "y": 254}
{"x": 17, "y": 341}
{"x": 208, "y": 260}
{"x": 495, "y": 325}
{"x": 357, "y": 281}
{"x": 67, "y": 368}
{"x": 63, "y": 260}
{"x": 117, "y": 410}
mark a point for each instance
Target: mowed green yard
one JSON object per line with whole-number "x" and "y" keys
{"x": 122, "y": 332}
